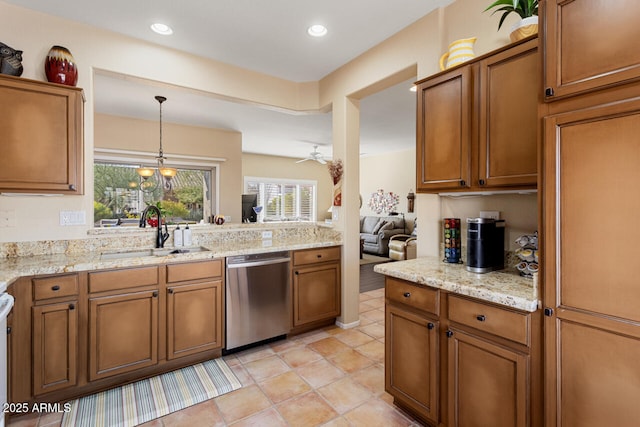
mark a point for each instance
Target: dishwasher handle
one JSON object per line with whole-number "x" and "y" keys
{"x": 258, "y": 263}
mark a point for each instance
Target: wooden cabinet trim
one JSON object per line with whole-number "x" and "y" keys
{"x": 97, "y": 366}
{"x": 65, "y": 171}
{"x": 207, "y": 334}
{"x": 193, "y": 271}
{"x": 55, "y": 286}
{"x": 419, "y": 297}
{"x": 403, "y": 379}
{"x": 495, "y": 320}
{"x": 126, "y": 278}
{"x": 55, "y": 325}
{"x": 316, "y": 255}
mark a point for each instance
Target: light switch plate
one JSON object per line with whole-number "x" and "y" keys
{"x": 73, "y": 218}
{"x": 267, "y": 235}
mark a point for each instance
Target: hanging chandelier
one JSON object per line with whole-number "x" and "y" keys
{"x": 167, "y": 173}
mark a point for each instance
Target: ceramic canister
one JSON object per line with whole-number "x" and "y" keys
{"x": 459, "y": 52}
{"x": 60, "y": 67}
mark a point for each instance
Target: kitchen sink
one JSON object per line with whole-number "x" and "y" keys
{"x": 151, "y": 252}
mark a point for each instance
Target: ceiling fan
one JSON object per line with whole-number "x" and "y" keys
{"x": 314, "y": 155}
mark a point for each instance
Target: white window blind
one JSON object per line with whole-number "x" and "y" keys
{"x": 284, "y": 200}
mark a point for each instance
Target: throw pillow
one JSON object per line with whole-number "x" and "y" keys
{"x": 386, "y": 226}
{"x": 378, "y": 226}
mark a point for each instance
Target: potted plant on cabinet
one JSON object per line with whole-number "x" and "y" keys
{"x": 526, "y": 9}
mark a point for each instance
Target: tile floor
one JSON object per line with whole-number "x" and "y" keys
{"x": 328, "y": 377}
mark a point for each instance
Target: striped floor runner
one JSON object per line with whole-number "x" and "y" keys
{"x": 145, "y": 400}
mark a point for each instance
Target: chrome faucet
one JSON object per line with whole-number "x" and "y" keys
{"x": 161, "y": 236}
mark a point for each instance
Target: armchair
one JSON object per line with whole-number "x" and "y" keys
{"x": 402, "y": 247}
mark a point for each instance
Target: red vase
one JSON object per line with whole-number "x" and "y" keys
{"x": 60, "y": 67}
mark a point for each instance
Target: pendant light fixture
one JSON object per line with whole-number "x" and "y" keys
{"x": 166, "y": 172}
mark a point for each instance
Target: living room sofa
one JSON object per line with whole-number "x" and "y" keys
{"x": 375, "y": 231}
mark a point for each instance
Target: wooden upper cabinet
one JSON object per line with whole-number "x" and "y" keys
{"x": 589, "y": 45}
{"x": 42, "y": 137}
{"x": 508, "y": 117}
{"x": 444, "y": 131}
{"x": 477, "y": 125}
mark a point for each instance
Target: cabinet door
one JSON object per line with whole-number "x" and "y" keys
{"x": 592, "y": 331}
{"x": 444, "y": 132}
{"x": 123, "y": 333}
{"x": 42, "y": 147}
{"x": 487, "y": 383}
{"x": 508, "y": 119}
{"x": 194, "y": 318}
{"x": 589, "y": 44}
{"x": 55, "y": 346}
{"x": 316, "y": 293}
{"x": 411, "y": 361}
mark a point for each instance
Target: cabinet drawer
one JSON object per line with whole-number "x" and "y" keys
{"x": 505, "y": 323}
{"x": 424, "y": 299}
{"x": 312, "y": 256}
{"x": 55, "y": 286}
{"x": 122, "y": 279}
{"x": 193, "y": 271}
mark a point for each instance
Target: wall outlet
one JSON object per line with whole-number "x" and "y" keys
{"x": 490, "y": 214}
{"x": 267, "y": 235}
{"x": 8, "y": 218}
{"x": 73, "y": 217}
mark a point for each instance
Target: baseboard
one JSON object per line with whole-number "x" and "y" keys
{"x": 348, "y": 325}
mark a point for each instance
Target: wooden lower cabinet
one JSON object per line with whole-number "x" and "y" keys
{"x": 316, "y": 285}
{"x": 123, "y": 333}
{"x": 55, "y": 346}
{"x": 458, "y": 361}
{"x": 487, "y": 383}
{"x": 76, "y": 334}
{"x": 194, "y": 318}
{"x": 411, "y": 361}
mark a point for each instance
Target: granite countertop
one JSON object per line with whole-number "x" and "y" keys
{"x": 505, "y": 287}
{"x": 16, "y": 267}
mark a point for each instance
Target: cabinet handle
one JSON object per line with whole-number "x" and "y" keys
{"x": 72, "y": 187}
{"x": 296, "y": 273}
{"x": 430, "y": 325}
{"x": 462, "y": 183}
{"x": 548, "y": 312}
{"x": 319, "y": 255}
{"x": 407, "y": 294}
{"x": 170, "y": 290}
{"x": 481, "y": 318}
{"x": 155, "y": 294}
{"x": 482, "y": 182}
{"x": 449, "y": 334}
{"x": 55, "y": 288}
{"x": 548, "y": 91}
{"x": 8, "y": 330}
{"x": 72, "y": 307}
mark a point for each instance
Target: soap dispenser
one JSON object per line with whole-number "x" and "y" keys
{"x": 186, "y": 236}
{"x": 177, "y": 237}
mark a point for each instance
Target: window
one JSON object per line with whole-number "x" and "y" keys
{"x": 284, "y": 199}
{"x": 120, "y": 195}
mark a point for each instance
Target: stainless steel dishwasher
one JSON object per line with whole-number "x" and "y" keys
{"x": 258, "y": 298}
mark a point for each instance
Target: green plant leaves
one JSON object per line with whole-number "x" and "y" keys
{"x": 524, "y": 8}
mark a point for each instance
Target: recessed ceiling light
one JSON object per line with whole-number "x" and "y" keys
{"x": 317, "y": 30}
{"x": 163, "y": 29}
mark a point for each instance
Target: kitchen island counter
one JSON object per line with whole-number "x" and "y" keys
{"x": 503, "y": 287}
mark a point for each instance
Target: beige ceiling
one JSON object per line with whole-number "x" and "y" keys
{"x": 268, "y": 37}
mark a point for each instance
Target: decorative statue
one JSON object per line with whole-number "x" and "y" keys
{"x": 10, "y": 60}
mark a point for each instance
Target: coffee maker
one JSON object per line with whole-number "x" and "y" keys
{"x": 485, "y": 244}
